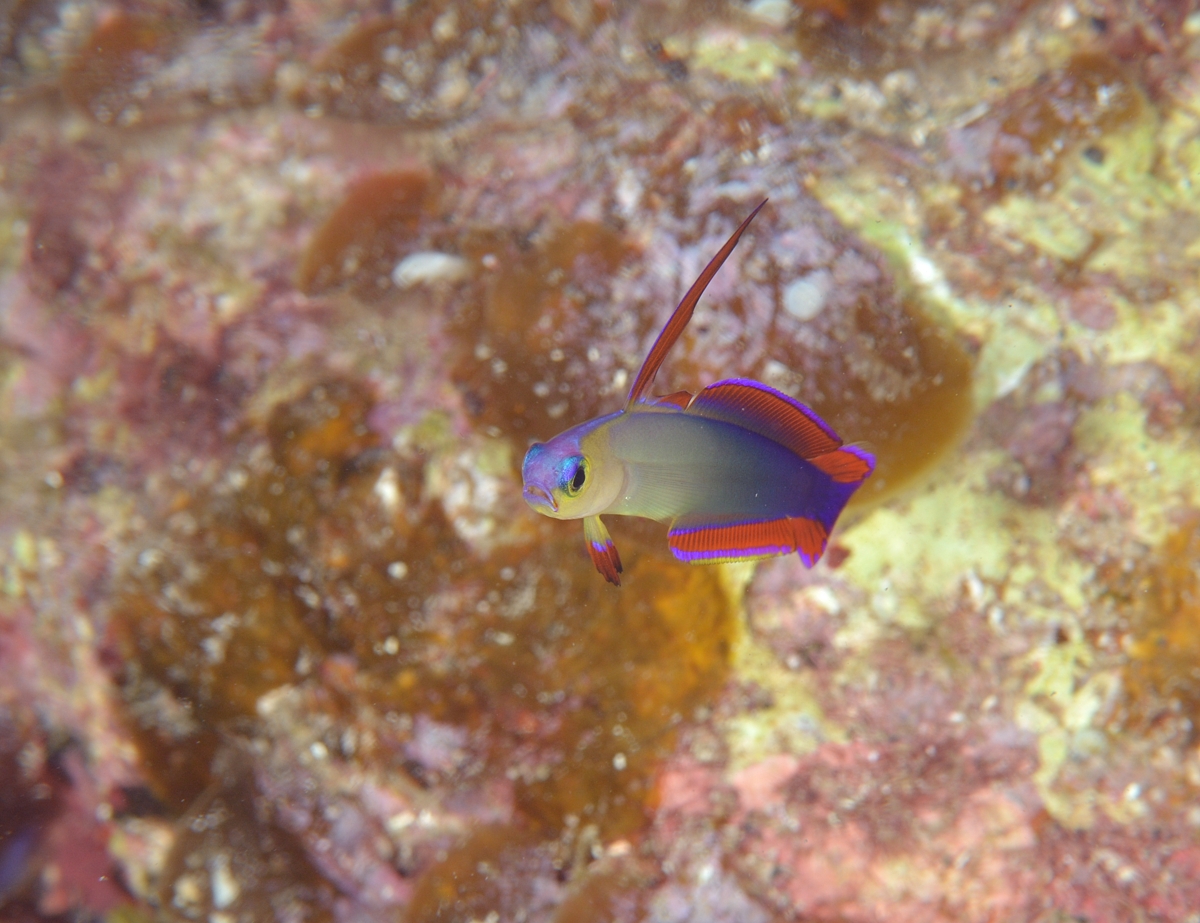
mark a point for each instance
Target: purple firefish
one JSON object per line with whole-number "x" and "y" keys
{"x": 737, "y": 472}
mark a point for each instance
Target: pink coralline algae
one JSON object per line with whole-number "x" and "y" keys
{"x": 286, "y": 290}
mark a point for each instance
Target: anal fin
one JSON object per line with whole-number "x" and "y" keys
{"x": 602, "y": 550}
{"x": 714, "y": 543}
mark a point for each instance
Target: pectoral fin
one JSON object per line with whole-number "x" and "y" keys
{"x": 600, "y": 546}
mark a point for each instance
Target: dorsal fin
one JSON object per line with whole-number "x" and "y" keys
{"x": 682, "y": 314}
{"x": 769, "y": 413}
{"x": 679, "y": 399}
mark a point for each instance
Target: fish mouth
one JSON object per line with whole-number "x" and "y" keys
{"x": 539, "y": 497}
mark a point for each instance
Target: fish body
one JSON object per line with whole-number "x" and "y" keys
{"x": 739, "y": 471}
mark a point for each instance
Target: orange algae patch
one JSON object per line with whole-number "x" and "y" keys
{"x": 583, "y": 686}
{"x": 358, "y": 244}
{"x": 219, "y": 633}
{"x": 519, "y": 365}
{"x": 497, "y": 871}
{"x": 177, "y": 762}
{"x": 291, "y": 569}
{"x": 422, "y": 66}
{"x": 229, "y": 863}
{"x": 854, "y": 11}
{"x": 1163, "y": 670}
{"x": 613, "y": 890}
{"x": 909, "y": 401}
{"x": 212, "y": 614}
{"x": 909, "y": 433}
{"x": 882, "y": 373}
{"x": 493, "y": 872}
{"x": 327, "y": 424}
{"x": 638, "y": 664}
{"x": 101, "y": 76}
{"x": 1060, "y": 113}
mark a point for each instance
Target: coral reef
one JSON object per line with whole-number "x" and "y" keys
{"x": 287, "y": 289}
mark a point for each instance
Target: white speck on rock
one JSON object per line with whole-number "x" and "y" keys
{"x": 225, "y": 888}
{"x": 628, "y": 193}
{"x": 387, "y": 489}
{"x": 803, "y": 298}
{"x": 187, "y": 891}
{"x": 924, "y": 270}
{"x": 427, "y": 267}
{"x": 771, "y": 12}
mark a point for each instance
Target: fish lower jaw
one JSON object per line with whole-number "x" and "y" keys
{"x": 541, "y": 500}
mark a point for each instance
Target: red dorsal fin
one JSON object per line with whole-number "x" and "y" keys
{"x": 769, "y": 413}
{"x": 682, "y": 314}
{"x": 680, "y": 399}
{"x": 848, "y": 465}
{"x": 702, "y": 543}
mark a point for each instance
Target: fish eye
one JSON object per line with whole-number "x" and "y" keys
{"x": 574, "y": 474}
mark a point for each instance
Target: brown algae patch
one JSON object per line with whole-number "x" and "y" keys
{"x": 358, "y": 242}
{"x": 422, "y": 66}
{"x": 229, "y": 863}
{"x": 911, "y": 418}
{"x": 537, "y": 331}
{"x": 124, "y": 49}
{"x": 1161, "y": 599}
{"x": 1090, "y": 97}
{"x": 320, "y": 560}
{"x": 520, "y": 367}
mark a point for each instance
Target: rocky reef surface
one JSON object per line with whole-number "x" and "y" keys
{"x": 286, "y": 289}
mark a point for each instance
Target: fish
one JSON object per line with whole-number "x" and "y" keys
{"x": 738, "y": 472}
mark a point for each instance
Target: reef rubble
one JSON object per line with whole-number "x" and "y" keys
{"x": 287, "y": 289}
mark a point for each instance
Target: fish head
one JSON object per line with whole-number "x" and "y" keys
{"x": 571, "y": 476}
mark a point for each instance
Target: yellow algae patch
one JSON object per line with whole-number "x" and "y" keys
{"x": 741, "y": 58}
{"x": 1054, "y": 227}
{"x": 1152, "y": 474}
{"x": 793, "y": 721}
{"x": 1150, "y": 332}
{"x": 910, "y": 556}
{"x": 931, "y": 540}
